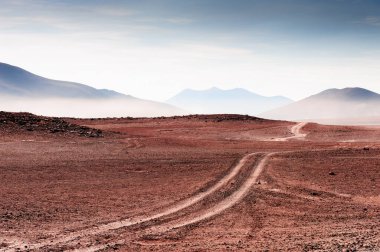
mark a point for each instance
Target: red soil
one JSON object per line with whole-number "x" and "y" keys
{"x": 321, "y": 193}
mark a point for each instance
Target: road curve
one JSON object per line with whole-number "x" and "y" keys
{"x": 237, "y": 195}
{"x": 296, "y": 131}
{"x": 218, "y": 208}
{"x": 137, "y": 220}
{"x": 226, "y": 203}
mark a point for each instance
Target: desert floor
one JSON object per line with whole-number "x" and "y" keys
{"x": 195, "y": 183}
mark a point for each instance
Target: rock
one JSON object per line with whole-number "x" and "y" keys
{"x": 28, "y": 122}
{"x": 3, "y": 245}
{"x": 332, "y": 173}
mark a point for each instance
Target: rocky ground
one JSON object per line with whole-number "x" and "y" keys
{"x": 21, "y": 122}
{"x": 88, "y": 184}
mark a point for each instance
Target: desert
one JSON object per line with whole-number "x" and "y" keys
{"x": 189, "y": 125}
{"x": 200, "y": 182}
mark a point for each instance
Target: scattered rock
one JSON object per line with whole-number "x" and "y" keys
{"x": 217, "y": 117}
{"x": 29, "y": 122}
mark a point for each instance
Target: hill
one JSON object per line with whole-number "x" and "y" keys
{"x": 15, "y": 81}
{"x": 24, "y": 91}
{"x": 349, "y": 105}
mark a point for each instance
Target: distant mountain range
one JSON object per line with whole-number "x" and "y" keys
{"x": 21, "y": 90}
{"x": 233, "y": 101}
{"x": 347, "y": 105}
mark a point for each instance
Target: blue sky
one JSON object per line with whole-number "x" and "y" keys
{"x": 155, "y": 48}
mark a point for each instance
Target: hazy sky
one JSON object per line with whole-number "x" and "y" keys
{"x": 155, "y": 48}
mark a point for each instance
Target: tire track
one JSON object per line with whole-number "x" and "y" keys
{"x": 223, "y": 205}
{"x": 226, "y": 203}
{"x": 17, "y": 246}
{"x": 296, "y": 131}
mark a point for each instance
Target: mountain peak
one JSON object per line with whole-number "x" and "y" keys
{"x": 349, "y": 94}
{"x": 331, "y": 105}
{"x": 21, "y": 90}
{"x": 215, "y": 89}
{"x": 232, "y": 101}
{"x": 9, "y": 71}
{"x": 4, "y": 66}
{"x": 15, "y": 81}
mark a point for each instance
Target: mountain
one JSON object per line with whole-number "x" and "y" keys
{"x": 15, "y": 81}
{"x": 233, "y": 101}
{"x": 355, "y": 94}
{"x": 21, "y": 90}
{"x": 333, "y": 105}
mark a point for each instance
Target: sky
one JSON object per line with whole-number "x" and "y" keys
{"x": 153, "y": 49}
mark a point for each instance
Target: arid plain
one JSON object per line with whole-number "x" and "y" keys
{"x": 193, "y": 183}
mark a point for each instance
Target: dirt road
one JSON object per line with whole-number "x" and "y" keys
{"x": 199, "y": 215}
{"x": 185, "y": 203}
{"x": 296, "y": 131}
{"x": 226, "y": 203}
{"x": 218, "y": 207}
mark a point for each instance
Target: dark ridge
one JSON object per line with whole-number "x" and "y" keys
{"x": 15, "y": 122}
{"x": 210, "y": 117}
{"x": 221, "y": 117}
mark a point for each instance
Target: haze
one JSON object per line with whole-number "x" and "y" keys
{"x": 87, "y": 108}
{"x": 155, "y": 49}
